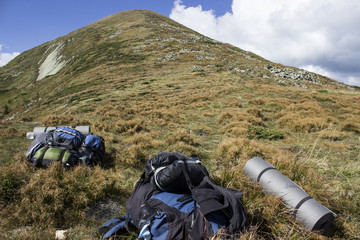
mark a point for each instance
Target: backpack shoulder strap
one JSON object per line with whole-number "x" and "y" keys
{"x": 115, "y": 226}
{"x": 143, "y": 190}
{"x": 212, "y": 197}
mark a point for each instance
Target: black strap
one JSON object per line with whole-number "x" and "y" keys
{"x": 191, "y": 186}
{"x": 105, "y": 229}
{"x": 43, "y": 153}
{"x": 184, "y": 198}
{"x": 301, "y": 203}
{"x": 262, "y": 172}
{"x": 127, "y": 227}
{"x": 62, "y": 155}
{"x": 186, "y": 175}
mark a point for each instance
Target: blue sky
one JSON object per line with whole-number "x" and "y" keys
{"x": 25, "y": 24}
{"x": 320, "y": 36}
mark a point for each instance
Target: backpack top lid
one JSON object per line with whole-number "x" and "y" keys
{"x": 66, "y": 131}
{"x": 169, "y": 172}
{"x": 162, "y": 159}
{"x": 67, "y": 137}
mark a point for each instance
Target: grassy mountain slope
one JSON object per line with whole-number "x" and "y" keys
{"x": 148, "y": 84}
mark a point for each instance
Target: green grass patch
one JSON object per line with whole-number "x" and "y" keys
{"x": 258, "y": 132}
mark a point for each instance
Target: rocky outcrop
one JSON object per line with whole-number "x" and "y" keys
{"x": 293, "y": 75}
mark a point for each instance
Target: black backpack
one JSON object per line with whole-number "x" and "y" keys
{"x": 198, "y": 213}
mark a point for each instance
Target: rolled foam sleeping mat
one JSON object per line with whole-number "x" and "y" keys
{"x": 37, "y": 130}
{"x": 83, "y": 129}
{"x": 310, "y": 213}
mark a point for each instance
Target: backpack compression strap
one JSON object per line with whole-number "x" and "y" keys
{"x": 114, "y": 226}
{"x": 53, "y": 139}
{"x": 186, "y": 175}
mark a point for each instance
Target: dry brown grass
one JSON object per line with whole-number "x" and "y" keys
{"x": 350, "y": 123}
{"x": 236, "y": 123}
{"x": 184, "y": 137}
{"x": 137, "y": 148}
{"x": 61, "y": 120}
{"x": 54, "y": 197}
{"x": 10, "y": 132}
{"x": 129, "y": 127}
{"x": 332, "y": 134}
{"x": 236, "y": 151}
{"x": 299, "y": 124}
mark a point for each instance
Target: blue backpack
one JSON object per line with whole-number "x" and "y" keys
{"x": 94, "y": 148}
{"x": 166, "y": 216}
{"x": 67, "y": 146}
{"x": 208, "y": 210}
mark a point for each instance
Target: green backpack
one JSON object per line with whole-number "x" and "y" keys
{"x": 47, "y": 155}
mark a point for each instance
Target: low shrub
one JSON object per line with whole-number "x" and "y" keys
{"x": 9, "y": 187}
{"x": 258, "y": 132}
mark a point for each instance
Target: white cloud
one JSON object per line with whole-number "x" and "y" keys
{"x": 320, "y": 33}
{"x": 348, "y": 78}
{"x": 206, "y": 19}
{"x": 317, "y": 69}
{"x": 6, "y": 57}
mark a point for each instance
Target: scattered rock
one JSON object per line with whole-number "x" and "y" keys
{"x": 210, "y": 58}
{"x": 60, "y": 234}
{"x": 139, "y": 48}
{"x": 169, "y": 57}
{"x": 195, "y": 67}
{"x": 185, "y": 50}
{"x": 115, "y": 34}
{"x": 103, "y": 210}
{"x": 194, "y": 37}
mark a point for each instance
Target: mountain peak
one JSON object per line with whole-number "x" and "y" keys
{"x": 140, "y": 44}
